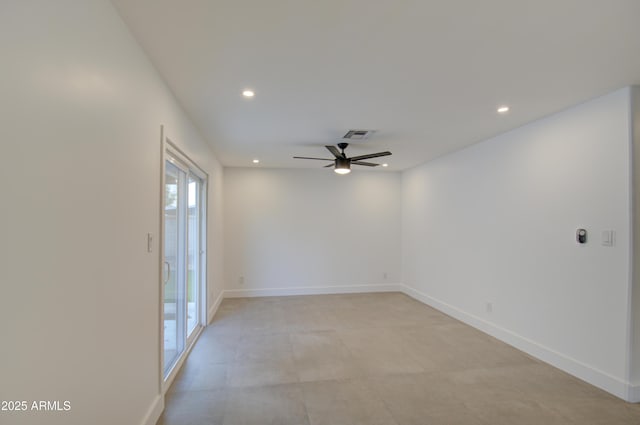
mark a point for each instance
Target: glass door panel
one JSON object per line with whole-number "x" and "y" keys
{"x": 193, "y": 254}
{"x": 173, "y": 303}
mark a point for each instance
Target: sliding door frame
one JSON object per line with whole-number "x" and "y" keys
{"x": 169, "y": 150}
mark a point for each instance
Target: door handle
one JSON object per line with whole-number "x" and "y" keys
{"x": 168, "y": 272}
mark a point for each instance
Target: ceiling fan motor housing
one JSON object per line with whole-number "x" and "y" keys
{"x": 343, "y": 163}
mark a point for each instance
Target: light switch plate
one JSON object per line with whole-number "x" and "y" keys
{"x": 608, "y": 238}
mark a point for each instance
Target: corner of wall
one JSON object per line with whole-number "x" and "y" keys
{"x": 634, "y": 278}
{"x": 214, "y": 307}
{"x": 634, "y": 393}
{"x": 156, "y": 409}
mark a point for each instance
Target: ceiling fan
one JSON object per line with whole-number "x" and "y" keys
{"x": 341, "y": 163}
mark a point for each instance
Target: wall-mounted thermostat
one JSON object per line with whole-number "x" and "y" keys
{"x": 581, "y": 236}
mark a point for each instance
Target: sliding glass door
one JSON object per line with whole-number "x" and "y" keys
{"x": 184, "y": 195}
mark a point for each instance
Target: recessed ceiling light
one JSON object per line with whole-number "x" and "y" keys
{"x": 256, "y": 161}
{"x": 385, "y": 165}
{"x": 248, "y": 93}
{"x": 503, "y": 109}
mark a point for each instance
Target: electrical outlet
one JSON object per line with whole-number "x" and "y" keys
{"x": 384, "y": 275}
{"x": 489, "y": 307}
{"x": 241, "y": 280}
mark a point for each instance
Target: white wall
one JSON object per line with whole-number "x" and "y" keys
{"x": 496, "y": 223}
{"x": 301, "y": 229}
{"x": 634, "y": 364}
{"x": 81, "y": 111}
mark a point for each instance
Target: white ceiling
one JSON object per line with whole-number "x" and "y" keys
{"x": 427, "y": 75}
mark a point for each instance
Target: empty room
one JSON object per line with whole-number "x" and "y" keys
{"x": 238, "y": 212}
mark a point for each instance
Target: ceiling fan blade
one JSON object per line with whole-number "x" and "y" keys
{"x": 330, "y": 165}
{"x": 306, "y": 157}
{"x": 367, "y": 164}
{"x": 334, "y": 151}
{"x": 371, "y": 155}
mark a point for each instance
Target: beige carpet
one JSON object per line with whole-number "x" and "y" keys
{"x": 370, "y": 359}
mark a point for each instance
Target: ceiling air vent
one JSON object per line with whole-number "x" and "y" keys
{"x": 358, "y": 134}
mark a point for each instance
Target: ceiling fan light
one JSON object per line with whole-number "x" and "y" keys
{"x": 343, "y": 166}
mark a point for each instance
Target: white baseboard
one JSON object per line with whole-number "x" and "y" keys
{"x": 593, "y": 376}
{"x": 214, "y": 307}
{"x": 311, "y": 290}
{"x": 154, "y": 412}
